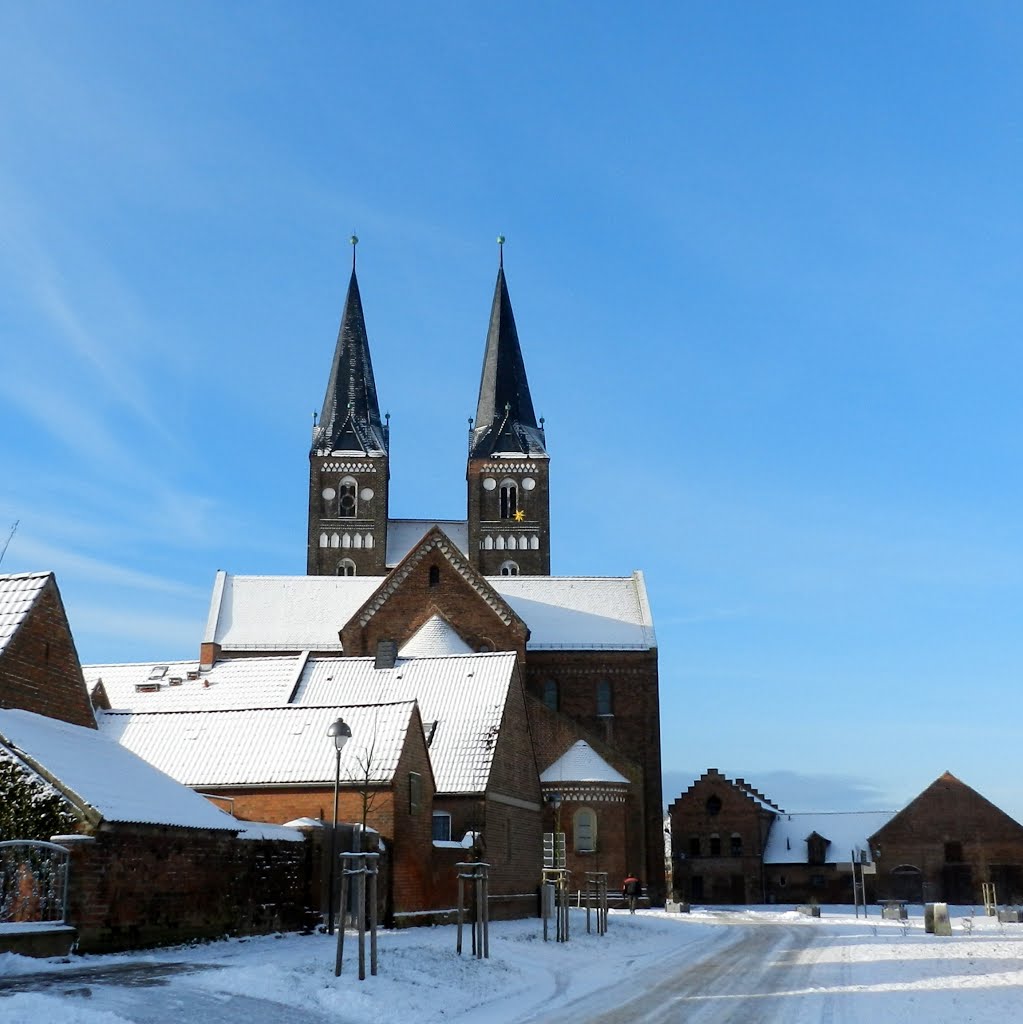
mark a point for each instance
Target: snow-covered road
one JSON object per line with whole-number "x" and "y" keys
{"x": 710, "y": 967}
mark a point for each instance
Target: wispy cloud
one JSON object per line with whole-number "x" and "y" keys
{"x": 49, "y": 265}
{"x": 154, "y": 634}
{"x": 96, "y": 571}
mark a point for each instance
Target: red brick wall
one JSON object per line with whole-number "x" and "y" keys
{"x": 134, "y": 887}
{"x": 40, "y": 670}
{"x": 513, "y": 831}
{"x": 632, "y": 732}
{"x": 415, "y": 601}
{"x": 412, "y": 827}
{"x": 283, "y": 804}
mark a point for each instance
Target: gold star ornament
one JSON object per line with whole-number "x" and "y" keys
{"x": 519, "y": 515}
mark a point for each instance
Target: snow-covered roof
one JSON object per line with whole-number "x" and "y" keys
{"x": 465, "y": 696}
{"x": 261, "y": 830}
{"x": 267, "y": 746}
{"x": 434, "y": 638}
{"x": 581, "y": 763}
{"x": 587, "y": 612}
{"x": 284, "y": 613}
{"x": 183, "y": 686}
{"x": 404, "y": 534}
{"x": 305, "y": 613}
{"x": 95, "y": 771}
{"x": 18, "y": 593}
{"x": 847, "y": 830}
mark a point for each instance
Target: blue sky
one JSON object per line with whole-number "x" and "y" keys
{"x": 765, "y": 262}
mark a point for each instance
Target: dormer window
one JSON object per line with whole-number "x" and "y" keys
{"x": 509, "y": 499}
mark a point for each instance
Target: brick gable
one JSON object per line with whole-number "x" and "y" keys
{"x": 39, "y": 666}
{"x": 435, "y": 579}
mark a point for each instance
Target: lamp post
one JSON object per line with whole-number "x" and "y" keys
{"x": 340, "y": 733}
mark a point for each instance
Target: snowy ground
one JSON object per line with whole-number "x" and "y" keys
{"x": 711, "y": 966}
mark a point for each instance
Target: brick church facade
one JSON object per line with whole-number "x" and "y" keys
{"x": 521, "y": 680}
{"x": 607, "y": 693}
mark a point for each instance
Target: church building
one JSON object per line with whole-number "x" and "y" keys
{"x": 520, "y": 703}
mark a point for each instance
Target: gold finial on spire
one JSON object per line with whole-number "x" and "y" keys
{"x": 500, "y": 251}
{"x": 354, "y": 241}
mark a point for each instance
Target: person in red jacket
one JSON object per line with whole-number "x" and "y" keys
{"x": 632, "y": 889}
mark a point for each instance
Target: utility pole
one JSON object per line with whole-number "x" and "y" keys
{"x": 8, "y": 541}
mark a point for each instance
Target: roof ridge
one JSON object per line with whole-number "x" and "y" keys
{"x": 274, "y": 707}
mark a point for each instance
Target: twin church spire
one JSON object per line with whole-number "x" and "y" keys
{"x": 350, "y": 420}
{"x": 508, "y": 509}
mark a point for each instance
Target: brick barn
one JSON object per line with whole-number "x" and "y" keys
{"x": 730, "y": 844}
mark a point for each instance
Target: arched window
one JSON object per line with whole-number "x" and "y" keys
{"x": 323, "y": 540}
{"x": 509, "y": 499}
{"x": 550, "y": 694}
{"x": 534, "y": 543}
{"x": 347, "y": 498}
{"x": 584, "y": 830}
{"x": 736, "y": 846}
{"x": 358, "y": 540}
{"x": 346, "y": 567}
{"x": 335, "y": 540}
{"x": 605, "y": 702}
{"x": 369, "y": 541}
{"x": 509, "y": 568}
{"x": 512, "y": 543}
{"x": 488, "y": 543}
{"x": 346, "y": 540}
{"x": 434, "y": 575}
{"x": 499, "y": 544}
{"x": 715, "y": 845}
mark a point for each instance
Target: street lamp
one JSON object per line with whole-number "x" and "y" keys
{"x": 340, "y": 733}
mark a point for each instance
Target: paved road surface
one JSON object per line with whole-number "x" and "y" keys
{"x": 756, "y": 974}
{"x": 744, "y": 974}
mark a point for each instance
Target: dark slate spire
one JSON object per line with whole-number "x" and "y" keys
{"x": 350, "y": 420}
{"x": 505, "y": 421}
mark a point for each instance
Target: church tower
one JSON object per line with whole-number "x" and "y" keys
{"x": 508, "y": 468}
{"x": 348, "y": 462}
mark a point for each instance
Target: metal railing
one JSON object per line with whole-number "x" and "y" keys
{"x": 33, "y": 882}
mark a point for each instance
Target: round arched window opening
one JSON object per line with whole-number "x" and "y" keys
{"x": 713, "y": 805}
{"x": 346, "y": 567}
{"x": 509, "y": 499}
{"x": 509, "y": 568}
{"x": 347, "y": 498}
{"x": 584, "y": 828}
